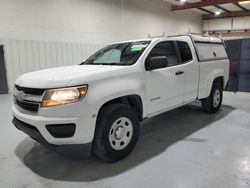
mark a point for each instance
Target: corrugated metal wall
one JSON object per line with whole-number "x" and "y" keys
{"x": 244, "y": 77}
{"x": 239, "y": 56}
{"x": 22, "y": 56}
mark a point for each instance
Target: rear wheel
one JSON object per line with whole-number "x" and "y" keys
{"x": 117, "y": 132}
{"x": 212, "y": 103}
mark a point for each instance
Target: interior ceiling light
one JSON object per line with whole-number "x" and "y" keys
{"x": 244, "y": 2}
{"x": 182, "y": 1}
{"x": 217, "y": 12}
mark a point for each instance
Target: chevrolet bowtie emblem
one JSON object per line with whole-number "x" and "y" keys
{"x": 20, "y": 95}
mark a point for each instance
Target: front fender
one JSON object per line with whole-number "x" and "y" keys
{"x": 105, "y": 90}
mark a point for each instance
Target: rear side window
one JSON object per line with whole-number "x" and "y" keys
{"x": 185, "y": 52}
{"x": 165, "y": 49}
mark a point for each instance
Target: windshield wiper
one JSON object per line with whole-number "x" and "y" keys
{"x": 111, "y": 64}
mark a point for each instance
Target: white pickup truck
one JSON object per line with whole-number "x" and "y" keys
{"x": 96, "y": 107}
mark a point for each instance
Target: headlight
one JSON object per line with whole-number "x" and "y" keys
{"x": 55, "y": 97}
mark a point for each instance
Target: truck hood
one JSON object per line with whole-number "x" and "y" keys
{"x": 62, "y": 76}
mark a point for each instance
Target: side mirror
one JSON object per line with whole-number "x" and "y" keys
{"x": 157, "y": 62}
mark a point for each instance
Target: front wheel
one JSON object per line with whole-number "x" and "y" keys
{"x": 212, "y": 103}
{"x": 117, "y": 132}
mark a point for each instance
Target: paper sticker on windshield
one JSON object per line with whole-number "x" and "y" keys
{"x": 138, "y": 47}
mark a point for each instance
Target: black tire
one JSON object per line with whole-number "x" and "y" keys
{"x": 209, "y": 104}
{"x": 108, "y": 116}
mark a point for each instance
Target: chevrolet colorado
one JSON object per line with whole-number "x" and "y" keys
{"x": 96, "y": 107}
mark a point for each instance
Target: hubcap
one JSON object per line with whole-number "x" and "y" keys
{"x": 216, "y": 99}
{"x": 120, "y": 133}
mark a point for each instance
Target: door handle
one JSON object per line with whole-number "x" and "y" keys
{"x": 179, "y": 72}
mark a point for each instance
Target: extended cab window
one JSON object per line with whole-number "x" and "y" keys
{"x": 185, "y": 52}
{"x": 166, "y": 49}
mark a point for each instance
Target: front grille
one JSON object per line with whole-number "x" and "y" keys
{"x": 31, "y": 106}
{"x": 28, "y": 103}
{"x": 34, "y": 91}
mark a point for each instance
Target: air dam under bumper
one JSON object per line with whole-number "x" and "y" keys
{"x": 72, "y": 150}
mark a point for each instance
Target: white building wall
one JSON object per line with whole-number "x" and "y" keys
{"x": 38, "y": 34}
{"x": 22, "y": 56}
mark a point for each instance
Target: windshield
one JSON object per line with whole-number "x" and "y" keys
{"x": 118, "y": 54}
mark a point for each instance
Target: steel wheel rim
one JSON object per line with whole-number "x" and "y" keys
{"x": 120, "y": 133}
{"x": 216, "y": 98}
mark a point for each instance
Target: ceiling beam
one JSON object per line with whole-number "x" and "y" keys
{"x": 226, "y": 15}
{"x": 205, "y": 10}
{"x": 241, "y": 7}
{"x": 203, "y": 3}
{"x": 219, "y": 7}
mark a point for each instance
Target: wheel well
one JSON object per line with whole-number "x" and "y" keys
{"x": 134, "y": 101}
{"x": 219, "y": 80}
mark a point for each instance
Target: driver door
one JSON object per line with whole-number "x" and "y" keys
{"x": 164, "y": 86}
